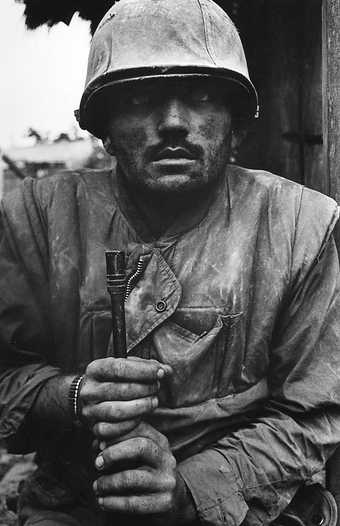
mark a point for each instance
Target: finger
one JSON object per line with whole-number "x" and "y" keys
{"x": 137, "y": 450}
{"x": 143, "y": 429}
{"x": 164, "y": 366}
{"x": 138, "y": 504}
{"x": 121, "y": 369}
{"x": 134, "y": 481}
{"x": 94, "y": 391}
{"x": 119, "y": 411}
{"x": 109, "y": 431}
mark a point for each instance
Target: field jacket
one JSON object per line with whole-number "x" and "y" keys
{"x": 241, "y": 298}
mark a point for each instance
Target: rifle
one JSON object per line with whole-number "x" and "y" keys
{"x": 116, "y": 286}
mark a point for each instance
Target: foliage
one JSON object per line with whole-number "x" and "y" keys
{"x": 50, "y": 12}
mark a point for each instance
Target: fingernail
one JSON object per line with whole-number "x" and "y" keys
{"x": 99, "y": 462}
{"x": 95, "y": 486}
{"x": 154, "y": 402}
{"x": 160, "y": 373}
{"x": 102, "y": 446}
{"x": 101, "y": 502}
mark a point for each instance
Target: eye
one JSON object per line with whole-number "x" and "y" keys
{"x": 139, "y": 99}
{"x": 201, "y": 95}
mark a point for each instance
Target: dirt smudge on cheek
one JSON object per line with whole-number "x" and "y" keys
{"x": 215, "y": 126}
{"x": 214, "y": 134}
{"x": 209, "y": 129}
{"x": 130, "y": 145}
{"x": 134, "y": 138}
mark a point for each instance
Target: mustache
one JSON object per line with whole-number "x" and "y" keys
{"x": 157, "y": 151}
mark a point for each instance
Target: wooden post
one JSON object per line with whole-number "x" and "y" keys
{"x": 331, "y": 98}
{"x": 331, "y": 138}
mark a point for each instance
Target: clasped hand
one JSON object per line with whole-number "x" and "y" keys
{"x": 136, "y": 466}
{"x": 138, "y": 474}
{"x": 117, "y": 393}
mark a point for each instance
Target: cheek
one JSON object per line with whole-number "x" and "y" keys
{"x": 214, "y": 130}
{"x": 130, "y": 140}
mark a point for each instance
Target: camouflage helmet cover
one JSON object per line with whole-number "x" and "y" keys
{"x": 139, "y": 39}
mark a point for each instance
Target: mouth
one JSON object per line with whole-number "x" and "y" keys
{"x": 174, "y": 154}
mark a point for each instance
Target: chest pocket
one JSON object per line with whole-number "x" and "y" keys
{"x": 205, "y": 365}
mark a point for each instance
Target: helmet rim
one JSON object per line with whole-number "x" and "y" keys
{"x": 117, "y": 78}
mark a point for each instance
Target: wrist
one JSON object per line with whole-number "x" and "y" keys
{"x": 51, "y": 407}
{"x": 74, "y": 398}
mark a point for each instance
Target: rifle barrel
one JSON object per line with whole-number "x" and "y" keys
{"x": 116, "y": 286}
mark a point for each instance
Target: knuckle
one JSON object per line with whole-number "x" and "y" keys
{"x": 106, "y": 455}
{"x": 103, "y": 485}
{"x": 171, "y": 483}
{"x": 143, "y": 445}
{"x": 99, "y": 429}
{"x": 116, "y": 412}
{"x": 125, "y": 480}
{"x": 105, "y": 391}
{"x": 128, "y": 505}
{"x": 149, "y": 401}
{"x": 163, "y": 441}
{"x": 118, "y": 367}
{"x": 124, "y": 391}
{"x": 109, "y": 365}
{"x": 171, "y": 462}
{"x": 90, "y": 369}
{"x": 96, "y": 429}
{"x": 146, "y": 404}
{"x": 100, "y": 485}
{"x": 154, "y": 365}
{"x": 153, "y": 388}
{"x": 168, "y": 483}
{"x": 168, "y": 500}
{"x": 86, "y": 412}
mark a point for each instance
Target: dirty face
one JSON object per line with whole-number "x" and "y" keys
{"x": 170, "y": 135}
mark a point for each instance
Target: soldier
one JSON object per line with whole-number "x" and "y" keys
{"x": 229, "y": 400}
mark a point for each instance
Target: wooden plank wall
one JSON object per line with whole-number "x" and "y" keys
{"x": 271, "y": 42}
{"x": 331, "y": 99}
{"x": 331, "y": 136}
{"x": 311, "y": 97}
{"x": 293, "y": 52}
{"x": 283, "y": 46}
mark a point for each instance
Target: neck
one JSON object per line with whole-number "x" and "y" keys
{"x": 161, "y": 210}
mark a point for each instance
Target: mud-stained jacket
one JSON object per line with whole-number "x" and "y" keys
{"x": 241, "y": 299}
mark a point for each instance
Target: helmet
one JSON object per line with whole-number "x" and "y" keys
{"x": 146, "y": 39}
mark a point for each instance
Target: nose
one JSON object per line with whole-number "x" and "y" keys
{"x": 173, "y": 118}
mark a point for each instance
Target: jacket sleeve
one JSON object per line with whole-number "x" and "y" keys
{"x": 252, "y": 474}
{"x": 25, "y": 338}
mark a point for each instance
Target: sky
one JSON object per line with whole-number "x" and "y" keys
{"x": 42, "y": 75}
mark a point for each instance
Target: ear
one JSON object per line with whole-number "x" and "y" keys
{"x": 237, "y": 137}
{"x": 107, "y": 143}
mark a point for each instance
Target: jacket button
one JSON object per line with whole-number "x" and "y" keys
{"x": 161, "y": 306}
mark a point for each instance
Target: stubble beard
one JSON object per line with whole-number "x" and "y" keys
{"x": 142, "y": 184}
